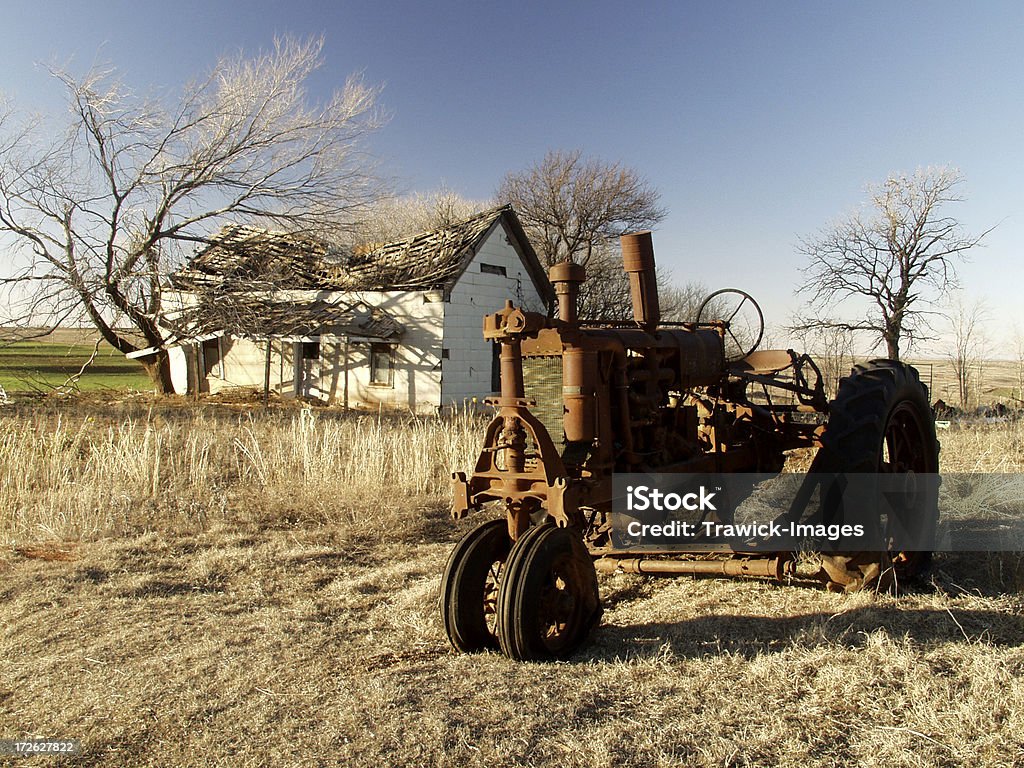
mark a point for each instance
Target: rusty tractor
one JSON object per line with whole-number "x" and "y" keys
{"x": 581, "y": 401}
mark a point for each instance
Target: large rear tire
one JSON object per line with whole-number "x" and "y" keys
{"x": 548, "y": 600}
{"x": 469, "y": 587}
{"x": 880, "y": 421}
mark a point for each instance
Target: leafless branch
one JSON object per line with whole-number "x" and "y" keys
{"x": 71, "y": 384}
{"x": 394, "y": 218}
{"x": 895, "y": 258}
{"x": 101, "y": 214}
{"x": 573, "y": 208}
{"x": 969, "y": 344}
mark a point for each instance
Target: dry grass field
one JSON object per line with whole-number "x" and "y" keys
{"x": 187, "y": 587}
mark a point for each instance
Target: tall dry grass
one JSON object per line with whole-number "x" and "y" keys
{"x": 982, "y": 447}
{"x": 66, "y": 476}
{"x": 71, "y": 475}
{"x": 304, "y": 646}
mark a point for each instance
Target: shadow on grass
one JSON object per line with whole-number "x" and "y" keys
{"x": 429, "y": 523}
{"x": 753, "y": 635}
{"x": 164, "y": 588}
{"x": 92, "y": 575}
{"x": 988, "y": 574}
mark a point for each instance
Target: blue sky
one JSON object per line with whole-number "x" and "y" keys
{"x": 757, "y": 122}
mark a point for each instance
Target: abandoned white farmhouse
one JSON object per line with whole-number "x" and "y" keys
{"x": 398, "y": 326}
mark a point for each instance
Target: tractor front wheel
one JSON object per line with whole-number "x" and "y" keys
{"x": 548, "y": 600}
{"x": 469, "y": 587}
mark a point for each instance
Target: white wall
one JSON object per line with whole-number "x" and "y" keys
{"x": 179, "y": 369}
{"x": 467, "y": 371}
{"x": 244, "y": 363}
{"x": 417, "y": 374}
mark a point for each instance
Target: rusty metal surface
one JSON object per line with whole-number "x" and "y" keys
{"x": 583, "y": 401}
{"x": 759, "y": 567}
{"x": 633, "y": 397}
{"x": 566, "y": 277}
{"x": 638, "y": 261}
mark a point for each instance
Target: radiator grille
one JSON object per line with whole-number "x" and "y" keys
{"x": 542, "y": 381}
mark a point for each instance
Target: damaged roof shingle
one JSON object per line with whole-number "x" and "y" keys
{"x": 255, "y": 316}
{"x": 429, "y": 260}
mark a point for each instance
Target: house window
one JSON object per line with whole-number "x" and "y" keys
{"x": 493, "y": 269}
{"x": 311, "y": 350}
{"x": 382, "y": 365}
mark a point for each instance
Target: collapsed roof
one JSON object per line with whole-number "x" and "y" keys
{"x": 259, "y": 317}
{"x": 429, "y": 260}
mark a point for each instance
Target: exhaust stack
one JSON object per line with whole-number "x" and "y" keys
{"x": 638, "y": 261}
{"x": 566, "y": 277}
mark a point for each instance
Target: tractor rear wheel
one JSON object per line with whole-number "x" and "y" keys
{"x": 469, "y": 587}
{"x": 880, "y": 422}
{"x": 548, "y": 600}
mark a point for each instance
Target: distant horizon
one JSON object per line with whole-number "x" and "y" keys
{"x": 912, "y": 359}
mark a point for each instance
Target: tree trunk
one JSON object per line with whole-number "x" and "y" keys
{"x": 158, "y": 367}
{"x": 892, "y": 345}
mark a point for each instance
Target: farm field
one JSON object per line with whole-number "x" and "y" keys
{"x": 992, "y": 381}
{"x": 188, "y": 586}
{"x": 40, "y": 365}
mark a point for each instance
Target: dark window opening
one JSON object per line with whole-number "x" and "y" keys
{"x": 212, "y": 364}
{"x": 445, "y": 353}
{"x": 493, "y": 269}
{"x": 382, "y": 365}
{"x": 495, "y": 367}
{"x": 311, "y": 350}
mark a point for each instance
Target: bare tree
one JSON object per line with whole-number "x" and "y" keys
{"x": 969, "y": 344}
{"x": 395, "y": 217}
{"x": 102, "y": 214}
{"x": 606, "y": 294}
{"x": 680, "y": 302}
{"x": 574, "y": 208}
{"x": 895, "y": 257}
